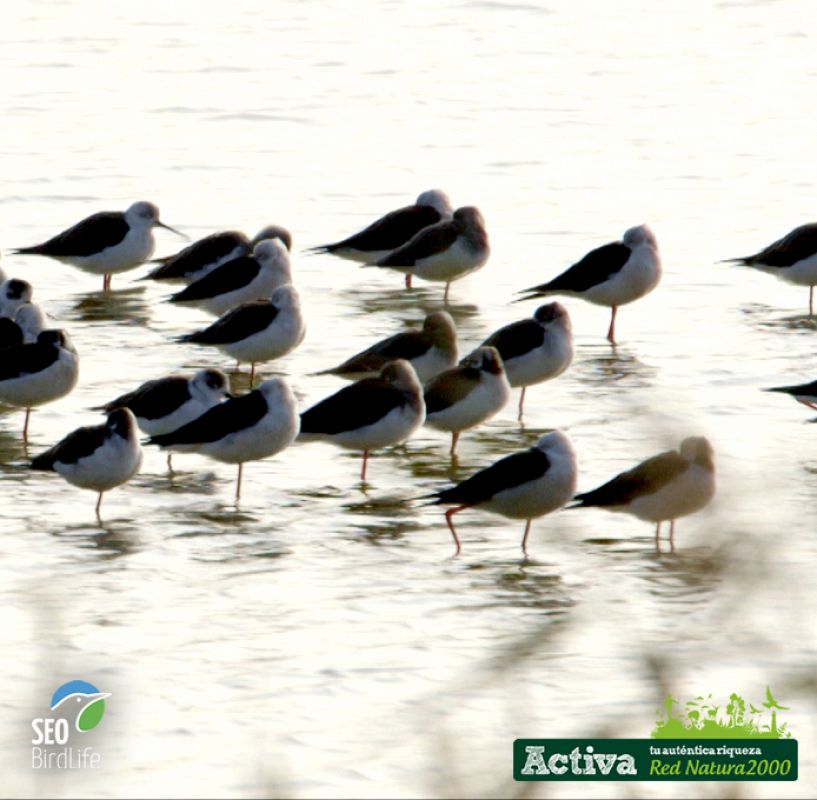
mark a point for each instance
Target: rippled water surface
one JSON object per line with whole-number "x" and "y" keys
{"x": 320, "y": 639}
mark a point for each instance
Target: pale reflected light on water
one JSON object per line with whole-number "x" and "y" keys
{"x": 319, "y": 639}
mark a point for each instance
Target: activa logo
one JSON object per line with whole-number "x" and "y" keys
{"x": 587, "y": 763}
{"x": 76, "y": 706}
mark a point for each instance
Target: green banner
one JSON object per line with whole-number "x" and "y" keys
{"x": 655, "y": 760}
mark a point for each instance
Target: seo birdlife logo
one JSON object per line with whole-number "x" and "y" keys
{"x": 77, "y": 707}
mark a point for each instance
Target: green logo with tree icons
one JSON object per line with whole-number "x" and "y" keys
{"x": 737, "y": 719}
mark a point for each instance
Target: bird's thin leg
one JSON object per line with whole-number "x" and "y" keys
{"x": 672, "y": 536}
{"x": 811, "y": 301}
{"x": 252, "y": 373}
{"x": 106, "y": 282}
{"x": 455, "y": 435}
{"x": 448, "y": 514}
{"x": 25, "y": 426}
{"x": 170, "y": 463}
{"x": 657, "y": 534}
{"x": 238, "y": 484}
{"x": 408, "y": 280}
{"x": 363, "y": 468}
{"x": 521, "y": 403}
{"x": 445, "y": 294}
{"x": 99, "y": 505}
{"x": 611, "y": 333}
{"x": 525, "y": 538}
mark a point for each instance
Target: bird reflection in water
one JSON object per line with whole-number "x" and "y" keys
{"x": 125, "y": 305}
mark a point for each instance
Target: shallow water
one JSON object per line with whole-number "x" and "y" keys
{"x": 319, "y": 639}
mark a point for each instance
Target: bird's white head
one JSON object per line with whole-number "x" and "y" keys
{"x": 439, "y": 325}
{"x": 640, "y": 234}
{"x": 485, "y": 359}
{"x": 437, "y": 199}
{"x": 556, "y": 443}
{"x": 552, "y": 315}
{"x": 402, "y": 376}
{"x": 698, "y": 450}
{"x": 122, "y": 423}
{"x": 143, "y": 214}
{"x": 31, "y": 319}
{"x": 13, "y": 293}
{"x": 210, "y": 386}
{"x": 285, "y": 296}
{"x": 271, "y": 253}
{"x": 278, "y": 393}
{"x": 274, "y": 232}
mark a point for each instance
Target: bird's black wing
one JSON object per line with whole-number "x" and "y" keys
{"x": 154, "y": 399}
{"x": 87, "y": 237}
{"x": 26, "y": 359}
{"x": 507, "y": 473}
{"x": 389, "y": 232}
{"x": 809, "y": 389}
{"x": 595, "y": 268}
{"x": 646, "y": 478}
{"x": 237, "y": 324}
{"x": 11, "y": 334}
{"x": 516, "y": 339}
{"x": 428, "y": 242}
{"x": 793, "y": 247}
{"x": 199, "y": 255}
{"x": 77, "y": 445}
{"x": 230, "y": 276}
{"x": 218, "y": 422}
{"x": 363, "y": 403}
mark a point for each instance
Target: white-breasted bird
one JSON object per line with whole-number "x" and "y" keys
{"x": 253, "y": 426}
{"x": 535, "y": 349}
{"x": 446, "y": 251}
{"x": 463, "y": 397}
{"x": 369, "y": 414}
{"x": 524, "y": 485}
{"x": 107, "y": 242}
{"x": 665, "y": 487}
{"x": 258, "y": 331}
{"x": 241, "y": 280}
{"x": 97, "y": 458}
{"x": 203, "y": 256}
{"x": 38, "y": 373}
{"x": 165, "y": 404}
{"x": 430, "y": 351}
{"x": 392, "y": 230}
{"x": 612, "y": 275}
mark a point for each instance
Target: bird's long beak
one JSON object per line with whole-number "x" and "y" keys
{"x": 168, "y": 228}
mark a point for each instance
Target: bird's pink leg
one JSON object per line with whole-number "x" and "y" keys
{"x": 25, "y": 426}
{"x": 106, "y": 282}
{"x": 611, "y": 333}
{"x": 363, "y": 468}
{"x": 657, "y": 534}
{"x": 450, "y": 513}
{"x": 99, "y": 505}
{"x": 525, "y": 538}
{"x": 672, "y": 536}
{"x": 521, "y": 403}
{"x": 454, "y": 437}
{"x": 445, "y": 294}
{"x": 408, "y": 280}
{"x": 238, "y": 484}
